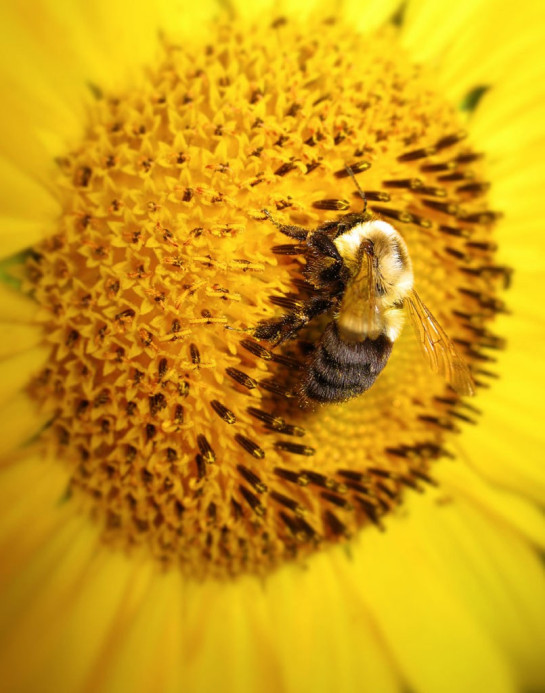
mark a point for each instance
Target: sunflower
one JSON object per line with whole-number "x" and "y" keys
{"x": 174, "y": 516}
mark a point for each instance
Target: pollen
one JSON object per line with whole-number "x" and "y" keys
{"x": 181, "y": 432}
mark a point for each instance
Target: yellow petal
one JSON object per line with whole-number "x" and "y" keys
{"x": 17, "y": 338}
{"x": 18, "y": 234}
{"x": 492, "y": 570}
{"x": 368, "y": 16}
{"x": 45, "y": 484}
{"x": 495, "y": 46}
{"x": 429, "y": 27}
{"x": 16, "y": 371}
{"x": 19, "y": 422}
{"x": 15, "y": 307}
{"x": 23, "y": 198}
{"x": 418, "y": 615}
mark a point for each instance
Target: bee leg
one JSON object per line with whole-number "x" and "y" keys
{"x": 296, "y": 232}
{"x": 321, "y": 245}
{"x": 279, "y": 331}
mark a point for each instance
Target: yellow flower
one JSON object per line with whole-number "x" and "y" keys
{"x": 172, "y": 517}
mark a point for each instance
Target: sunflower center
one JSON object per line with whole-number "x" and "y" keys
{"x": 179, "y": 427}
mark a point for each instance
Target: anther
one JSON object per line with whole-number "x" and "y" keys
{"x": 291, "y": 476}
{"x": 291, "y": 430}
{"x": 370, "y": 510}
{"x": 290, "y": 503}
{"x": 480, "y": 217}
{"x": 421, "y": 221}
{"x": 256, "y": 349}
{"x": 462, "y": 417}
{"x": 241, "y": 378}
{"x": 454, "y": 231}
{"x": 285, "y": 168}
{"x": 332, "y": 204}
{"x": 337, "y": 527}
{"x": 295, "y": 448}
{"x": 468, "y": 157}
{"x": 236, "y": 508}
{"x": 437, "y": 168}
{"x": 162, "y": 368}
{"x": 318, "y": 479}
{"x": 409, "y": 183}
{"x": 432, "y": 191}
{"x": 336, "y": 500}
{"x": 444, "y": 207}
{"x": 390, "y": 493}
{"x": 312, "y": 166}
{"x": 397, "y": 214}
{"x": 450, "y": 140}
{"x": 419, "y": 474}
{"x": 410, "y": 483}
{"x": 223, "y": 412}
{"x": 475, "y": 189}
{"x": 157, "y": 402}
{"x": 360, "y": 488}
{"x": 384, "y": 473}
{"x": 208, "y": 454}
{"x": 276, "y": 387}
{"x": 252, "y": 500}
{"x": 82, "y": 177}
{"x": 456, "y": 177}
{"x": 440, "y": 422}
{"x": 252, "y": 478}
{"x": 288, "y": 249}
{"x": 416, "y": 154}
{"x": 377, "y": 195}
{"x": 349, "y": 474}
{"x": 250, "y": 446}
{"x": 201, "y": 467}
{"x": 290, "y": 522}
{"x": 358, "y": 167}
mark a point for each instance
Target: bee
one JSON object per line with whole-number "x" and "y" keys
{"x": 361, "y": 273}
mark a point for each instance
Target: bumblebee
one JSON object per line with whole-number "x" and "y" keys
{"x": 361, "y": 272}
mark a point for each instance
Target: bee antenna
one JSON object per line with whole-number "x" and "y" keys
{"x": 358, "y": 188}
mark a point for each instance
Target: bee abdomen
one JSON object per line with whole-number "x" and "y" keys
{"x": 341, "y": 370}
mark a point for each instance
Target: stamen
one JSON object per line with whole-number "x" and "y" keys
{"x": 288, "y": 503}
{"x": 253, "y": 501}
{"x": 250, "y": 446}
{"x": 416, "y": 154}
{"x": 256, "y": 349}
{"x": 291, "y": 476}
{"x": 337, "y": 205}
{"x": 241, "y": 378}
{"x": 398, "y": 215}
{"x": 208, "y": 455}
{"x": 252, "y": 478}
{"x": 223, "y": 412}
{"x": 357, "y": 167}
{"x": 335, "y": 525}
{"x": 295, "y": 448}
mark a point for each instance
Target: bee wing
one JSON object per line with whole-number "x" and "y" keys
{"x": 369, "y": 283}
{"x": 440, "y": 353}
{"x": 357, "y": 314}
